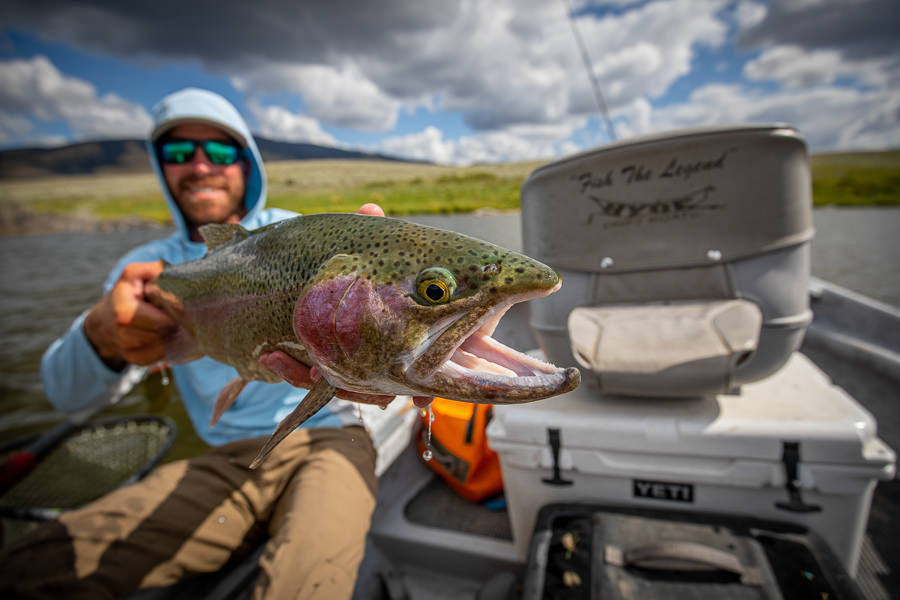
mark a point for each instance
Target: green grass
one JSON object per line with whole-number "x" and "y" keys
{"x": 446, "y": 194}
{"x": 859, "y": 179}
{"x": 855, "y": 179}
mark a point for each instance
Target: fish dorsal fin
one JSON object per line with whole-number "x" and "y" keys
{"x": 216, "y": 235}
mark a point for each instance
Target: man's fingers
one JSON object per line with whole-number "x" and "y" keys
{"x": 142, "y": 271}
{"x": 130, "y": 338}
{"x": 144, "y": 356}
{"x": 371, "y": 209}
{"x": 128, "y": 301}
{"x": 147, "y": 316}
{"x": 292, "y": 371}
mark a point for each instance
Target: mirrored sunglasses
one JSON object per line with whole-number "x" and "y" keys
{"x": 179, "y": 152}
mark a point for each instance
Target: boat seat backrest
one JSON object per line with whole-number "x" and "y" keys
{"x": 656, "y": 239}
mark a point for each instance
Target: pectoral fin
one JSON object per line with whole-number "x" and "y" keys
{"x": 226, "y": 398}
{"x": 315, "y": 399}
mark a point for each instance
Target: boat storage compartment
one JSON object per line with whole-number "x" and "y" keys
{"x": 790, "y": 448}
{"x": 589, "y": 552}
{"x": 684, "y": 258}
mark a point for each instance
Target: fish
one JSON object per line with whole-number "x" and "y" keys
{"x": 377, "y": 305}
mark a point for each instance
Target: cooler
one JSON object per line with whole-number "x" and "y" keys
{"x": 790, "y": 448}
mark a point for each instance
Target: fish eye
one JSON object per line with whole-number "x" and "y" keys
{"x": 435, "y": 286}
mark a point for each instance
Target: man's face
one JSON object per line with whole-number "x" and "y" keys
{"x": 206, "y": 192}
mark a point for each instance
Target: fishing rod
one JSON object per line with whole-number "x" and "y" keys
{"x": 588, "y": 66}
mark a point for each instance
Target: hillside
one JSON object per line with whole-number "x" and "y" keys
{"x": 116, "y": 157}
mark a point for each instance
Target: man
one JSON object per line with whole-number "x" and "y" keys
{"x": 314, "y": 494}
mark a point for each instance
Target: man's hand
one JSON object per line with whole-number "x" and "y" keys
{"x": 299, "y": 375}
{"x": 123, "y": 327}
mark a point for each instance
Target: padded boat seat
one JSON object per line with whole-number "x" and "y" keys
{"x": 684, "y": 258}
{"x": 683, "y": 348}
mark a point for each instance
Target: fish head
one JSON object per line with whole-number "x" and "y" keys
{"x": 413, "y": 313}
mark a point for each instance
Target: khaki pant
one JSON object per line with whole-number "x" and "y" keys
{"x": 313, "y": 497}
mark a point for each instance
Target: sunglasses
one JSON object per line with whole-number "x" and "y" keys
{"x": 179, "y": 152}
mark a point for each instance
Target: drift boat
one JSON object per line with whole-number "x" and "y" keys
{"x": 686, "y": 298}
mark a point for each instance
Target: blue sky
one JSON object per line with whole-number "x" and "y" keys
{"x": 456, "y": 82}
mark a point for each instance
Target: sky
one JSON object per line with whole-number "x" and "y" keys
{"x": 456, "y": 81}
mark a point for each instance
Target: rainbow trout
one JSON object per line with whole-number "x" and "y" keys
{"x": 378, "y": 305}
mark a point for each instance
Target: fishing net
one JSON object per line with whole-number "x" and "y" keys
{"x": 93, "y": 460}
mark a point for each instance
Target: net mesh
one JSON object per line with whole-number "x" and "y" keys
{"x": 92, "y": 461}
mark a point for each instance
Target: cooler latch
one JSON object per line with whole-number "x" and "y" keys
{"x": 790, "y": 456}
{"x": 553, "y": 440}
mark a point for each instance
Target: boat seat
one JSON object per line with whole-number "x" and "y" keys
{"x": 684, "y": 258}
{"x": 693, "y": 347}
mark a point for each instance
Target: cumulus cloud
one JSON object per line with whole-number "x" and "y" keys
{"x": 510, "y": 68}
{"x": 35, "y": 89}
{"x": 501, "y": 64}
{"x": 859, "y": 29}
{"x": 794, "y": 67}
{"x": 829, "y": 117}
{"x": 281, "y": 124}
{"x": 343, "y": 97}
{"x": 516, "y": 143}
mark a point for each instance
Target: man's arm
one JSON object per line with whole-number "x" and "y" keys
{"x": 123, "y": 327}
{"x": 120, "y": 329}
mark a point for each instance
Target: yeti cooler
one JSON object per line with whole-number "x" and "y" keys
{"x": 790, "y": 448}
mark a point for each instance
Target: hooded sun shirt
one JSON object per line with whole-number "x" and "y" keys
{"x": 75, "y": 377}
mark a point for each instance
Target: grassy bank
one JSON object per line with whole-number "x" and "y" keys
{"x": 858, "y": 179}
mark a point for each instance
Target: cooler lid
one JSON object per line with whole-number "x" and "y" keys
{"x": 796, "y": 404}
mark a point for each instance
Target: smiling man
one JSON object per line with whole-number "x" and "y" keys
{"x": 312, "y": 498}
{"x": 207, "y": 188}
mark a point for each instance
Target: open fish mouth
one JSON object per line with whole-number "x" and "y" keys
{"x": 478, "y": 368}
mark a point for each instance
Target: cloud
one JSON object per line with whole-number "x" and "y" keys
{"x": 510, "y": 68}
{"x": 501, "y": 63}
{"x": 794, "y": 67}
{"x": 517, "y": 143}
{"x": 340, "y": 97}
{"x": 34, "y": 89}
{"x": 829, "y": 117}
{"x": 281, "y": 124}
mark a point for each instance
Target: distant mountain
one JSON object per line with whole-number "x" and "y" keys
{"x": 130, "y": 156}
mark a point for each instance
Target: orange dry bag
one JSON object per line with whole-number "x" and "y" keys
{"x": 459, "y": 448}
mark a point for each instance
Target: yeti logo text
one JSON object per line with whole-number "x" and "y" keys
{"x": 661, "y": 490}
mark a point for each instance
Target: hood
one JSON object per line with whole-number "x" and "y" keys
{"x": 192, "y": 105}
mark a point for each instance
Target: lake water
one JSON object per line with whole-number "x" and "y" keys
{"x": 47, "y": 280}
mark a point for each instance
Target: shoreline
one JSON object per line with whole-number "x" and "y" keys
{"x": 16, "y": 221}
